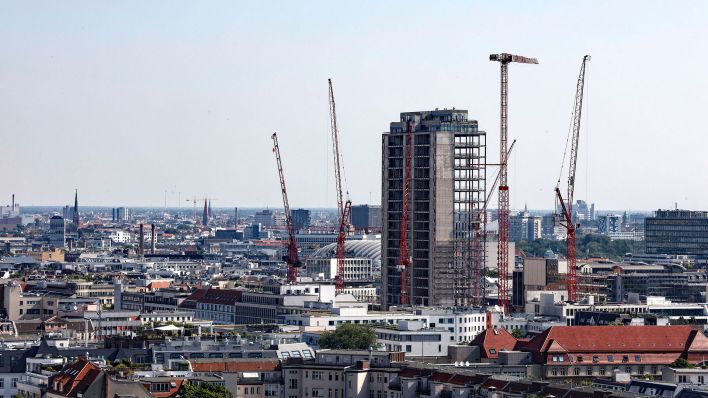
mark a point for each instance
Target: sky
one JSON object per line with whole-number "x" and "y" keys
{"x": 127, "y": 100}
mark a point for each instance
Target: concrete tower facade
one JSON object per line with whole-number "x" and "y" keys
{"x": 447, "y": 185}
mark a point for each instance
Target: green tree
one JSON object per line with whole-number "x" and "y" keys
{"x": 681, "y": 363}
{"x": 349, "y": 337}
{"x": 588, "y": 245}
{"x": 517, "y": 333}
{"x": 204, "y": 390}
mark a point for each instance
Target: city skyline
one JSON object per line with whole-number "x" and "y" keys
{"x": 126, "y": 105}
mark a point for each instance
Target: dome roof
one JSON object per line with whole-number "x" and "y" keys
{"x": 353, "y": 248}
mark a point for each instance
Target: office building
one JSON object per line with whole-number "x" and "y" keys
{"x": 366, "y": 217}
{"x": 121, "y": 214}
{"x": 609, "y": 224}
{"x": 362, "y": 257}
{"x": 57, "y": 232}
{"x": 447, "y": 177}
{"x": 301, "y": 218}
{"x": 680, "y": 232}
{"x": 265, "y": 218}
{"x": 524, "y": 226}
{"x": 584, "y": 212}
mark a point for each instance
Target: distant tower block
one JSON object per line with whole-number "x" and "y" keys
{"x": 235, "y": 217}
{"x": 153, "y": 239}
{"x": 141, "y": 244}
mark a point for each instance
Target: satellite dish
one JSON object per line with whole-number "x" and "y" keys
{"x": 457, "y": 363}
{"x": 467, "y": 363}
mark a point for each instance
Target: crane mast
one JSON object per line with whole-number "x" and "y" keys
{"x": 292, "y": 258}
{"x": 478, "y": 243}
{"x": 343, "y": 208}
{"x": 404, "y": 266}
{"x": 503, "y": 212}
{"x": 567, "y": 205}
{"x": 335, "y": 149}
{"x": 341, "y": 252}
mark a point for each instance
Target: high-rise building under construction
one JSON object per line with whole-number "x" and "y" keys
{"x": 446, "y": 192}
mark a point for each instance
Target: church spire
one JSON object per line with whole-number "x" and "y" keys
{"x": 76, "y": 208}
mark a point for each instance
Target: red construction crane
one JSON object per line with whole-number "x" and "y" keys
{"x": 478, "y": 242}
{"x": 292, "y": 258}
{"x": 405, "y": 263}
{"x": 503, "y": 213}
{"x": 341, "y": 252}
{"x": 567, "y": 205}
{"x": 344, "y": 208}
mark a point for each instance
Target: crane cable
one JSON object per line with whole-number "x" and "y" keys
{"x": 565, "y": 150}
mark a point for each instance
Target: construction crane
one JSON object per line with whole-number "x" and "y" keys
{"x": 194, "y": 210}
{"x": 503, "y": 212}
{"x": 343, "y": 208}
{"x": 566, "y": 216}
{"x": 292, "y": 257}
{"x": 478, "y": 242}
{"x": 405, "y": 263}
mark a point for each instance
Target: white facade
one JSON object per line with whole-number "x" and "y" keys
{"x": 415, "y": 339}
{"x": 355, "y": 269}
{"x": 462, "y": 326}
{"x": 119, "y": 236}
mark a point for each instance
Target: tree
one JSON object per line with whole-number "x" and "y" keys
{"x": 204, "y": 390}
{"x": 681, "y": 363}
{"x": 349, "y": 337}
{"x": 588, "y": 245}
{"x": 517, "y": 333}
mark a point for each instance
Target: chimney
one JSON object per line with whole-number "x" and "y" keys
{"x": 152, "y": 239}
{"x": 141, "y": 245}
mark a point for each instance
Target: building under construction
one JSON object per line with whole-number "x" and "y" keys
{"x": 445, "y": 190}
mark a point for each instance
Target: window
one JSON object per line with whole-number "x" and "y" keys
{"x": 701, "y": 379}
{"x": 588, "y": 371}
{"x": 625, "y": 358}
{"x": 576, "y": 371}
{"x": 637, "y": 358}
{"x": 596, "y": 359}
{"x": 316, "y": 375}
{"x": 602, "y": 371}
{"x": 293, "y": 383}
{"x": 554, "y": 371}
{"x": 682, "y": 379}
{"x": 610, "y": 358}
{"x": 579, "y": 358}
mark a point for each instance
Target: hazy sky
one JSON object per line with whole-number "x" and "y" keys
{"x": 127, "y": 99}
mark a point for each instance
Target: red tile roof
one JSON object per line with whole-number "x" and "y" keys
{"x": 612, "y": 339}
{"x": 173, "y": 392}
{"x": 491, "y": 341}
{"x": 215, "y": 296}
{"x": 73, "y": 379}
{"x": 159, "y": 285}
{"x": 236, "y": 365}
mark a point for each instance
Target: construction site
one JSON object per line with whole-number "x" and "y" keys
{"x": 438, "y": 184}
